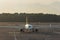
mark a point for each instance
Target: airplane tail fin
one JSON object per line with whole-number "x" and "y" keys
{"x": 26, "y": 20}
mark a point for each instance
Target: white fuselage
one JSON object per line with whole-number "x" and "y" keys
{"x": 28, "y": 26}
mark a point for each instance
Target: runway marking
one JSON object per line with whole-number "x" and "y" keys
{"x": 14, "y": 34}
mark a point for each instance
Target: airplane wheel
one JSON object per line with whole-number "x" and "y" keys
{"x": 21, "y": 30}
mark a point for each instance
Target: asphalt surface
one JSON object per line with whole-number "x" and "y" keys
{"x": 36, "y": 36}
{"x": 14, "y": 34}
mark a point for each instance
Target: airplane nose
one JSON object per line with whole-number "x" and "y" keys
{"x": 28, "y": 26}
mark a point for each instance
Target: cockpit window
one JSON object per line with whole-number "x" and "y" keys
{"x": 29, "y": 26}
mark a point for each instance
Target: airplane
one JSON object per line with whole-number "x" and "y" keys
{"x": 28, "y": 27}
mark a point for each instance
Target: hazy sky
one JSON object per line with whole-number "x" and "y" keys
{"x": 30, "y": 6}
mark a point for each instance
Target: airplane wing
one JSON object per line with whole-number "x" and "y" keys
{"x": 18, "y": 27}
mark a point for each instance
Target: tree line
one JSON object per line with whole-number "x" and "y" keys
{"x": 21, "y": 17}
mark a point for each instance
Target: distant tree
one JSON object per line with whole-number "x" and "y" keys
{"x": 39, "y": 17}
